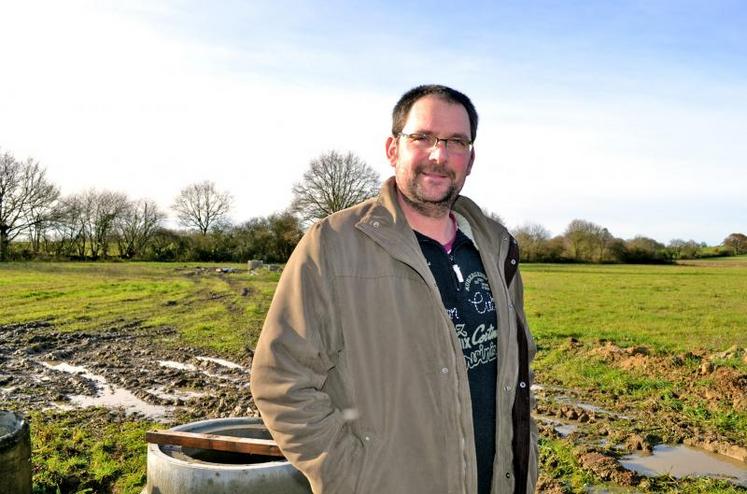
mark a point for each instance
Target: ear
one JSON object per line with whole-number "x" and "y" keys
{"x": 471, "y": 161}
{"x": 392, "y": 153}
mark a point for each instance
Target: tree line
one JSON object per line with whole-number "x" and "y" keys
{"x": 38, "y": 222}
{"x": 585, "y": 241}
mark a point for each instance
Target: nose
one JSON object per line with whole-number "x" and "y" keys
{"x": 439, "y": 152}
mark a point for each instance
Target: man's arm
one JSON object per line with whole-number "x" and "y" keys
{"x": 291, "y": 363}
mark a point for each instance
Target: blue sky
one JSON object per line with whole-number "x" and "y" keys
{"x": 630, "y": 114}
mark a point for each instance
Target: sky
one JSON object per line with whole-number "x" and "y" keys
{"x": 631, "y": 114}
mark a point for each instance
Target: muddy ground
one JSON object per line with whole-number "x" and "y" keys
{"x": 41, "y": 368}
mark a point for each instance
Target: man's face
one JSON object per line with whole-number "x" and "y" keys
{"x": 430, "y": 179}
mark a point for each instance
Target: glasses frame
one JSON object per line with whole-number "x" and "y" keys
{"x": 433, "y": 141}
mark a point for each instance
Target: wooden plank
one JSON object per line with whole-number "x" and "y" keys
{"x": 248, "y": 445}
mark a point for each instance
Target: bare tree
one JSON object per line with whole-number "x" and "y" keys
{"x": 101, "y": 210}
{"x": 136, "y": 226}
{"x": 25, "y": 195}
{"x": 69, "y": 227}
{"x": 202, "y": 206}
{"x": 333, "y": 182}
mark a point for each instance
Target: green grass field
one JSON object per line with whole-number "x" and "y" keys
{"x": 671, "y": 308}
{"x": 696, "y": 308}
{"x": 221, "y": 311}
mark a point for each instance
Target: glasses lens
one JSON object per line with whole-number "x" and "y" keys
{"x": 423, "y": 141}
{"x": 427, "y": 141}
{"x": 458, "y": 145}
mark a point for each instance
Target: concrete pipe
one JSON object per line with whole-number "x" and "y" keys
{"x": 182, "y": 470}
{"x": 15, "y": 454}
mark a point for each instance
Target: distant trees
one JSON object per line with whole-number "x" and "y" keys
{"x": 202, "y": 207}
{"x": 270, "y": 239}
{"x": 333, "y": 182}
{"x": 585, "y": 241}
{"x": 533, "y": 242}
{"x": 737, "y": 242}
{"x": 26, "y": 199}
{"x": 684, "y": 249}
{"x": 37, "y": 222}
{"x": 642, "y": 250}
{"x": 137, "y": 224}
{"x": 101, "y": 211}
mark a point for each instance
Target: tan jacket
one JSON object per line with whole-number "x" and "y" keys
{"x": 358, "y": 372}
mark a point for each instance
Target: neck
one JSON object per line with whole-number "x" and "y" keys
{"x": 439, "y": 227}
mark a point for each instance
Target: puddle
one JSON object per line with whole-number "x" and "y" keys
{"x": 562, "y": 428}
{"x": 107, "y": 395}
{"x": 173, "y": 364}
{"x": 160, "y": 392}
{"x": 566, "y": 429}
{"x": 220, "y": 361}
{"x": 682, "y": 461}
{"x": 589, "y": 407}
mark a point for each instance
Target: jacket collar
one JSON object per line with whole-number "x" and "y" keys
{"x": 384, "y": 221}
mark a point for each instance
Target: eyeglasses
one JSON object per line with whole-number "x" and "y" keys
{"x": 427, "y": 141}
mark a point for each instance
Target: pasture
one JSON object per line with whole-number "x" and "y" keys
{"x": 629, "y": 357}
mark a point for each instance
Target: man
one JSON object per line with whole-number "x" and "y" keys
{"x": 394, "y": 357}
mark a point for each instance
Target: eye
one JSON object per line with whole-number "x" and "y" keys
{"x": 457, "y": 143}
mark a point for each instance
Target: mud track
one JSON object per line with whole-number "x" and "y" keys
{"x": 41, "y": 368}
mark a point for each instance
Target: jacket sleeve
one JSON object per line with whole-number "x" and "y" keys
{"x": 294, "y": 355}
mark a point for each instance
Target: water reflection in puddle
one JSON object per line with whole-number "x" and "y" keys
{"x": 220, "y": 361}
{"x": 682, "y": 461}
{"x": 108, "y": 395}
{"x": 171, "y": 394}
{"x": 589, "y": 407}
{"x": 562, "y": 428}
{"x": 172, "y": 364}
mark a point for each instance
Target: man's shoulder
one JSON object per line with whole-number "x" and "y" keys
{"x": 478, "y": 219}
{"x": 341, "y": 224}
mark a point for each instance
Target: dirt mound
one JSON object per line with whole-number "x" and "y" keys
{"x": 607, "y": 468}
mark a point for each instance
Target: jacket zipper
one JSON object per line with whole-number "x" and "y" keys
{"x": 458, "y": 279}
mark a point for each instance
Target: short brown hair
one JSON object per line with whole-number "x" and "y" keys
{"x": 404, "y": 105}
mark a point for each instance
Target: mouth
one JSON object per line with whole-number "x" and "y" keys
{"x": 436, "y": 174}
